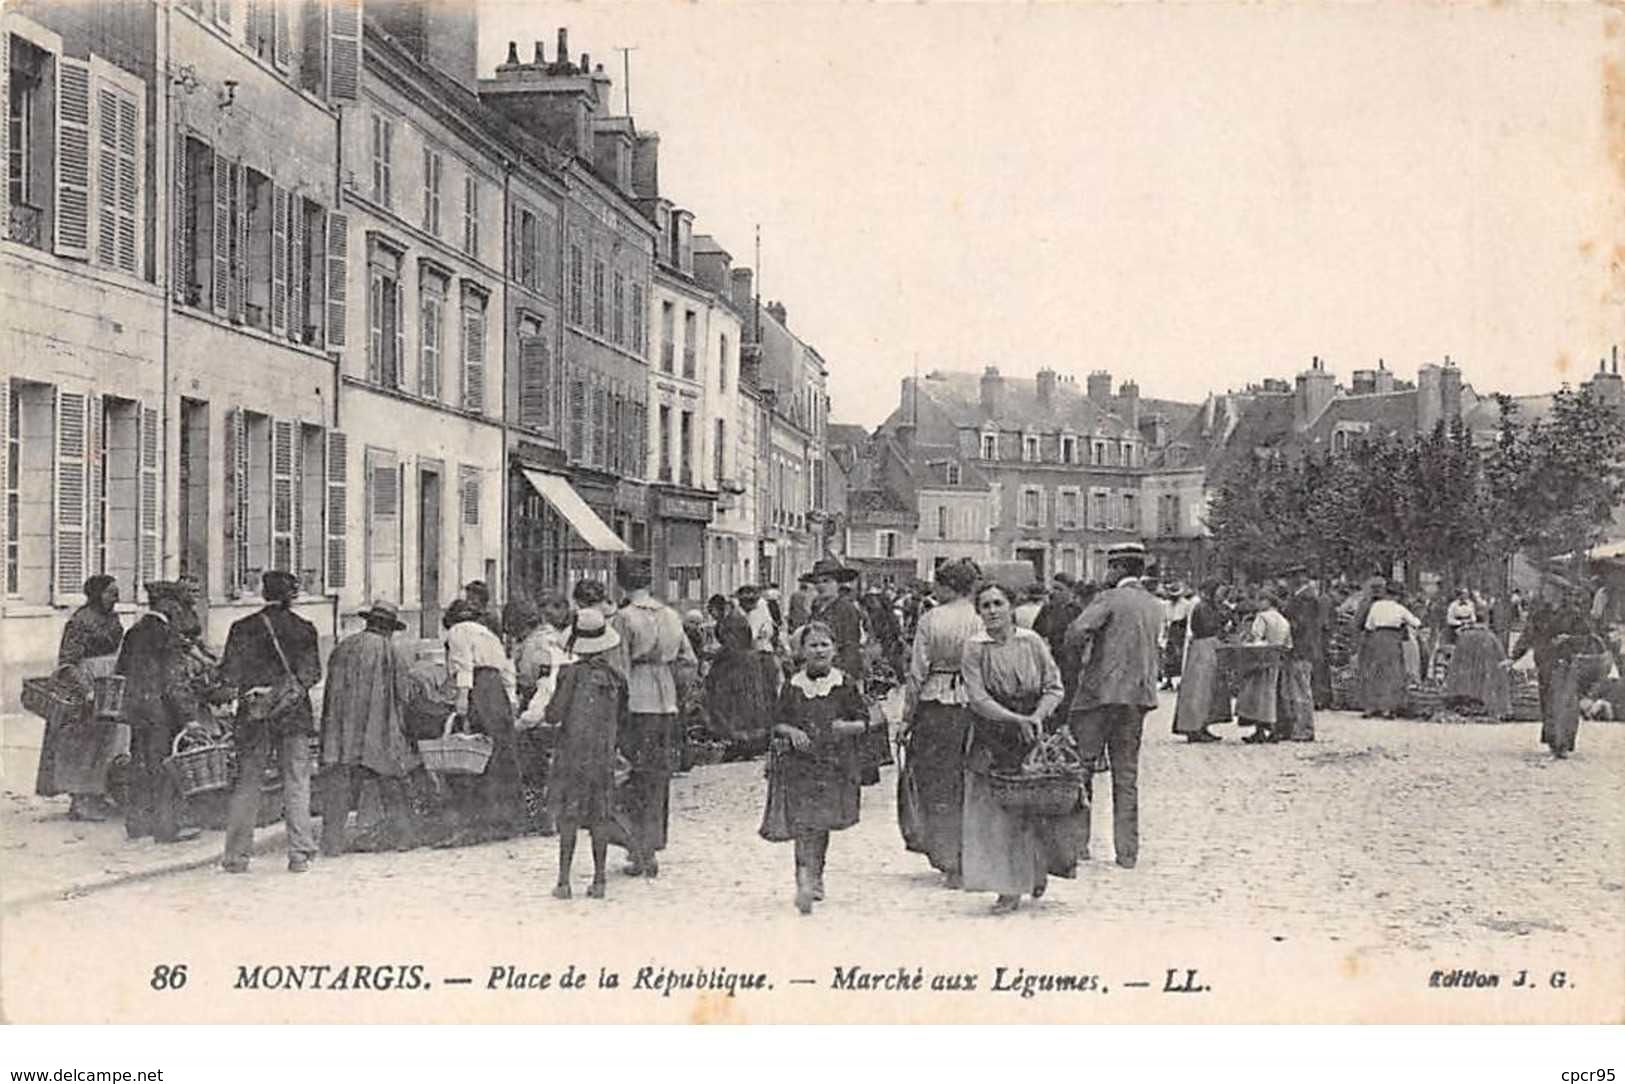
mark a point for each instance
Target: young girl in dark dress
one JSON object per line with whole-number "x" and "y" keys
{"x": 589, "y": 707}
{"x": 813, "y": 768}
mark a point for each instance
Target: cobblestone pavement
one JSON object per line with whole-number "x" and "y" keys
{"x": 1381, "y": 838}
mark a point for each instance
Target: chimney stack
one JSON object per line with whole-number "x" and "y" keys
{"x": 1100, "y": 387}
{"x": 1046, "y": 387}
{"x": 992, "y": 391}
{"x": 513, "y": 55}
{"x": 540, "y": 59}
{"x": 564, "y": 45}
{"x": 1129, "y": 392}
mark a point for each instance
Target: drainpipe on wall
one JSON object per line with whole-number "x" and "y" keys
{"x": 500, "y": 589}
{"x": 164, "y": 129}
{"x": 337, "y": 361}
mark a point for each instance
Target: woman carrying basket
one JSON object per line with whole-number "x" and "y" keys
{"x": 1012, "y": 685}
{"x": 75, "y": 756}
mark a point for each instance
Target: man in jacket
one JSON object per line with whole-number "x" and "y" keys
{"x": 262, "y": 651}
{"x": 158, "y": 703}
{"x": 1117, "y": 635}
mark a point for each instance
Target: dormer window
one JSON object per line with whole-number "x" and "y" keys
{"x": 953, "y": 475}
{"x": 1128, "y": 454}
{"x": 1069, "y": 449}
{"x": 990, "y": 445}
{"x": 1029, "y": 448}
{"x": 1097, "y": 453}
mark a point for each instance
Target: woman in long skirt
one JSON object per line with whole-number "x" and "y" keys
{"x": 1204, "y": 696}
{"x": 1012, "y": 685}
{"x": 75, "y": 755}
{"x": 1477, "y": 679}
{"x": 1258, "y": 700}
{"x": 813, "y": 770}
{"x": 931, "y": 786}
{"x": 735, "y": 700}
{"x": 1382, "y": 655}
{"x": 490, "y": 805}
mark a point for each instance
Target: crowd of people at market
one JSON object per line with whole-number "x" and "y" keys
{"x": 586, "y": 705}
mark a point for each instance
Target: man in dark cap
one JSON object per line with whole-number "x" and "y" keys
{"x": 1117, "y": 635}
{"x": 364, "y": 732}
{"x": 158, "y": 702}
{"x": 265, "y": 651}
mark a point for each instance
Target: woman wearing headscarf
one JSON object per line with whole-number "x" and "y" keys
{"x": 74, "y": 759}
{"x": 1388, "y": 623}
{"x": 1477, "y": 679}
{"x": 1012, "y": 686}
{"x": 931, "y": 786}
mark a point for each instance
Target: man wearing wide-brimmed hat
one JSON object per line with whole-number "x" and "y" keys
{"x": 364, "y": 732}
{"x": 263, "y": 651}
{"x": 839, "y": 612}
{"x": 158, "y": 702}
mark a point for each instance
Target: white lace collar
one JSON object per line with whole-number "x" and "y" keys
{"x": 820, "y": 687}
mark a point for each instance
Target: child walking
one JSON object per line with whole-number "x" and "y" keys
{"x": 589, "y": 706}
{"x": 813, "y": 767}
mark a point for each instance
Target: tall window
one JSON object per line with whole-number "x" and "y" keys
{"x": 1069, "y": 449}
{"x": 473, "y": 382}
{"x": 639, "y": 318}
{"x": 598, "y": 297}
{"x": 990, "y": 446}
{"x": 691, "y": 325}
{"x": 686, "y": 447}
{"x": 383, "y": 160}
{"x": 617, "y": 327}
{"x": 1029, "y": 448}
{"x": 433, "y": 168}
{"x": 1068, "y": 508}
{"x": 668, "y": 333}
{"x": 1098, "y": 507}
{"x": 1097, "y": 453}
{"x": 1031, "y": 507}
{"x": 530, "y": 262}
{"x": 1131, "y": 512}
{"x": 722, "y": 363}
{"x": 431, "y": 334}
{"x": 471, "y": 215}
{"x": 942, "y": 521}
{"x": 953, "y": 473}
{"x": 665, "y": 443}
{"x": 886, "y": 543}
{"x": 720, "y": 455}
{"x": 578, "y": 273}
{"x": 387, "y": 334}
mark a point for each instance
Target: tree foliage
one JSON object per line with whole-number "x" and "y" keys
{"x": 1440, "y": 502}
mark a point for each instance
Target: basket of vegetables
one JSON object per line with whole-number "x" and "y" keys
{"x": 1049, "y": 781}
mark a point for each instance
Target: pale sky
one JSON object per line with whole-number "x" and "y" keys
{"x": 1195, "y": 196}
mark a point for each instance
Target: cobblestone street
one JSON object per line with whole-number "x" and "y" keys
{"x": 1381, "y": 841}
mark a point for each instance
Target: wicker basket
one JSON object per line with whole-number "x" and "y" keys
{"x": 110, "y": 698}
{"x": 457, "y": 754}
{"x": 1041, "y": 795}
{"x": 198, "y": 763}
{"x": 52, "y": 699}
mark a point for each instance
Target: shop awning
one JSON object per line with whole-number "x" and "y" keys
{"x": 558, "y": 492}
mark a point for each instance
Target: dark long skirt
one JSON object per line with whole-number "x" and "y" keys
{"x": 643, "y": 802}
{"x": 935, "y": 769}
{"x": 1476, "y": 674}
{"x": 1173, "y": 652}
{"x": 1382, "y": 672}
{"x": 736, "y": 705}
{"x": 1295, "y": 710}
{"x": 493, "y": 801}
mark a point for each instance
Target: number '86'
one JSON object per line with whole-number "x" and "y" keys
{"x": 168, "y": 977}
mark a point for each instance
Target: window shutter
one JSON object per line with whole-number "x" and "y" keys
{"x": 338, "y": 270}
{"x": 72, "y": 492}
{"x": 337, "y": 511}
{"x": 279, "y": 259}
{"x": 281, "y": 46}
{"x": 239, "y": 241}
{"x": 600, "y": 425}
{"x": 282, "y": 496}
{"x": 296, "y": 268}
{"x": 229, "y": 570}
{"x": 383, "y": 525}
{"x": 247, "y": 576}
{"x": 474, "y": 359}
{"x": 220, "y": 257}
{"x": 469, "y": 495}
{"x": 180, "y": 225}
{"x": 96, "y": 488}
{"x": 5, "y": 453}
{"x": 106, "y": 118}
{"x": 307, "y": 581}
{"x": 400, "y": 333}
{"x": 375, "y": 326}
{"x": 344, "y": 50}
{"x": 151, "y": 437}
{"x": 73, "y": 103}
{"x": 130, "y": 172}
{"x": 578, "y": 420}
{"x": 429, "y": 327}
{"x": 5, "y": 215}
